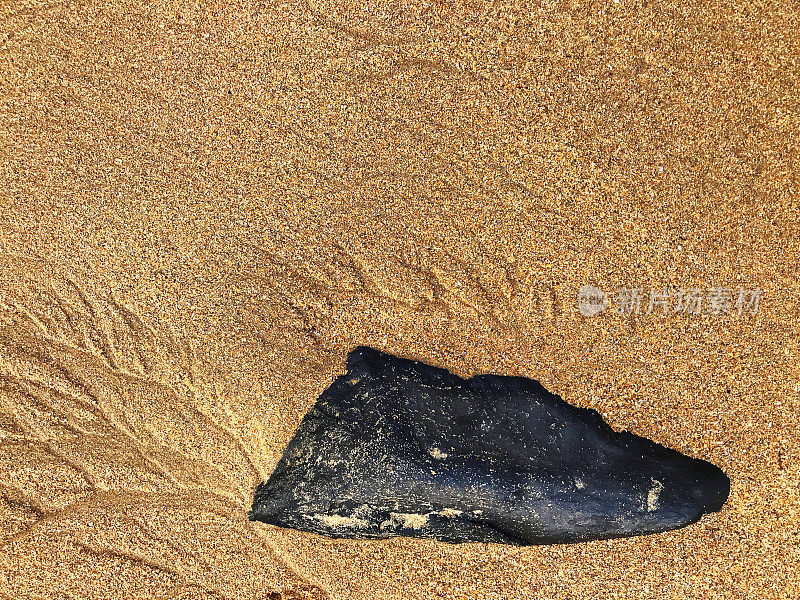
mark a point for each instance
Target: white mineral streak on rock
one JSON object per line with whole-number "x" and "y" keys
{"x": 653, "y": 494}
{"x": 338, "y": 521}
{"x": 410, "y": 520}
{"x": 437, "y": 454}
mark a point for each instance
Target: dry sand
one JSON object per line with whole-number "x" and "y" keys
{"x": 204, "y": 206}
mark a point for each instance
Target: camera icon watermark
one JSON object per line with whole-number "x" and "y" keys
{"x": 591, "y": 300}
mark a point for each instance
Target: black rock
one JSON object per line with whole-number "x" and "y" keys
{"x": 397, "y": 447}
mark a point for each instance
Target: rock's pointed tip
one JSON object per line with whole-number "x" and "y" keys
{"x": 716, "y": 490}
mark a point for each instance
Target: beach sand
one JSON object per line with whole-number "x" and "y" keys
{"x": 205, "y": 206}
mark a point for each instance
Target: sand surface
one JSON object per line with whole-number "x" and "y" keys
{"x": 204, "y": 206}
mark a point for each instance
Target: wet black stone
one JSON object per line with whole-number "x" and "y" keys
{"x": 397, "y": 447}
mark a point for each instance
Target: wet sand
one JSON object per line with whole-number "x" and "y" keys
{"x": 204, "y": 207}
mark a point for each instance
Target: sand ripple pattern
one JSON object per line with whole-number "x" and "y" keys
{"x": 108, "y": 448}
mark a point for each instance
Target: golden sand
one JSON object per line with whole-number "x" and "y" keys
{"x": 204, "y": 206}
